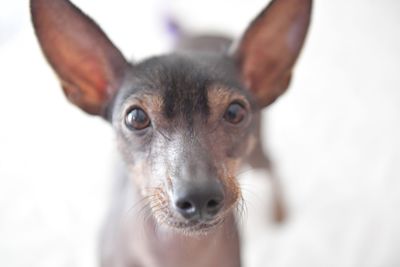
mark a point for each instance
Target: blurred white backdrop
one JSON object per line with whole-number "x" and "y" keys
{"x": 335, "y": 137}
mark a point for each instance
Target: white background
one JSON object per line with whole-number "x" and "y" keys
{"x": 335, "y": 137}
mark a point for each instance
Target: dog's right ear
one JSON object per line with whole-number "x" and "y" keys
{"x": 89, "y": 66}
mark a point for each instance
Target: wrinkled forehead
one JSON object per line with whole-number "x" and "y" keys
{"x": 179, "y": 88}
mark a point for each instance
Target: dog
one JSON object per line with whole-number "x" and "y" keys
{"x": 185, "y": 123}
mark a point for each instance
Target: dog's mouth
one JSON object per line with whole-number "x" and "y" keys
{"x": 165, "y": 215}
{"x": 192, "y": 227}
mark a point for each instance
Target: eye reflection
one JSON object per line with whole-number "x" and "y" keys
{"x": 235, "y": 113}
{"x": 137, "y": 119}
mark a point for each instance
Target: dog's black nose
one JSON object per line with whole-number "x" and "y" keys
{"x": 199, "y": 203}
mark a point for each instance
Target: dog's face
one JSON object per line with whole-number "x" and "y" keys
{"x": 184, "y": 122}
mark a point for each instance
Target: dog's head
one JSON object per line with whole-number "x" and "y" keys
{"x": 184, "y": 122}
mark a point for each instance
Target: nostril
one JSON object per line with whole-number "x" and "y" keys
{"x": 212, "y": 204}
{"x": 184, "y": 205}
{"x": 186, "y": 208}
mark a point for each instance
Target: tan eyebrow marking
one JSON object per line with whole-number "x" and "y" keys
{"x": 219, "y": 97}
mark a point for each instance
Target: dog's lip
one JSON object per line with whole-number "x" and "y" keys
{"x": 198, "y": 226}
{"x": 200, "y": 223}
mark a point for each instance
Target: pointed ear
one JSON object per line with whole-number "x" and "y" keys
{"x": 89, "y": 66}
{"x": 270, "y": 46}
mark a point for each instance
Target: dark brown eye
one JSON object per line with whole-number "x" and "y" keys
{"x": 235, "y": 113}
{"x": 137, "y": 119}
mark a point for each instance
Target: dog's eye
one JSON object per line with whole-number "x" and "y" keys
{"x": 235, "y": 113}
{"x": 137, "y": 119}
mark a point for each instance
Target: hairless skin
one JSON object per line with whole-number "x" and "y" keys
{"x": 185, "y": 123}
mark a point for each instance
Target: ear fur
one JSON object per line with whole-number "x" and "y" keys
{"x": 89, "y": 66}
{"x": 270, "y": 46}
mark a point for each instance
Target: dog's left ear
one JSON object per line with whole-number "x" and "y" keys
{"x": 270, "y": 46}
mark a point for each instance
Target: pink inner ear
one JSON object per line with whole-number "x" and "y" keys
{"x": 90, "y": 67}
{"x": 270, "y": 47}
{"x": 298, "y": 31}
{"x": 84, "y": 95}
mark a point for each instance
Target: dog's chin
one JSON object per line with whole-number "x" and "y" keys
{"x": 194, "y": 228}
{"x": 186, "y": 227}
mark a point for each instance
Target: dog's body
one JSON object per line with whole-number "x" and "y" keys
{"x": 131, "y": 240}
{"x": 185, "y": 123}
